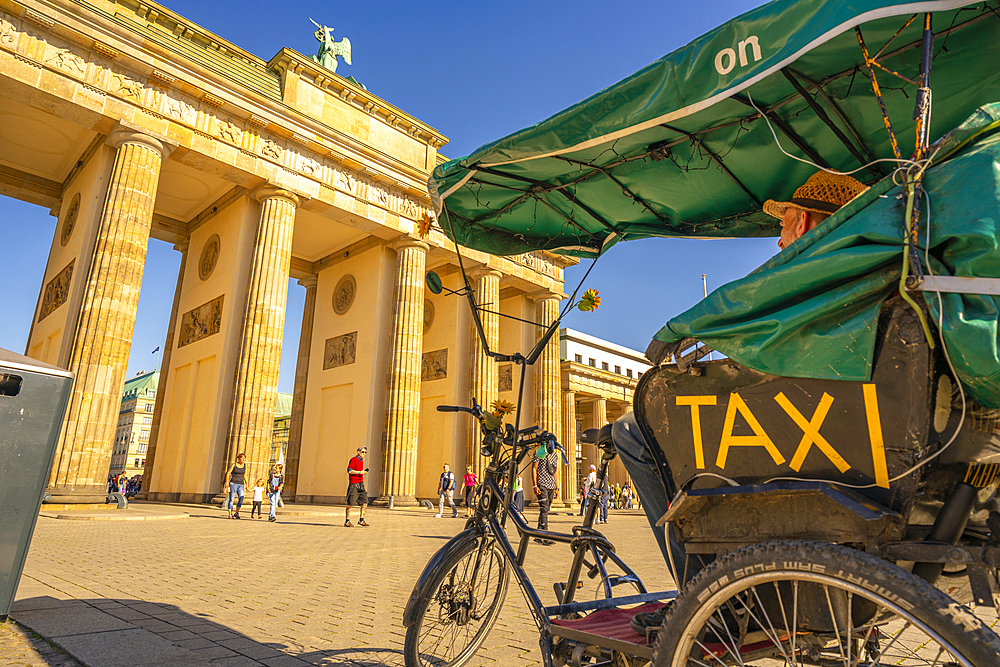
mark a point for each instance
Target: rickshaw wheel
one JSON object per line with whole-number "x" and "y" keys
{"x": 454, "y": 619}
{"x": 798, "y": 603}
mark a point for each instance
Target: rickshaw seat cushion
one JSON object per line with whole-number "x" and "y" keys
{"x": 611, "y": 623}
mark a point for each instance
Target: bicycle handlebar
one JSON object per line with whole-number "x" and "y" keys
{"x": 454, "y": 408}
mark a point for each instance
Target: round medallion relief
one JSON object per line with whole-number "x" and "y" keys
{"x": 428, "y": 314}
{"x": 343, "y": 294}
{"x": 69, "y": 222}
{"x": 209, "y": 257}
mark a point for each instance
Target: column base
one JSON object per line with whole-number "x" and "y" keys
{"x": 397, "y": 501}
{"x": 87, "y": 495}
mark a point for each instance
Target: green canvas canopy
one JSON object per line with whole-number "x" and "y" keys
{"x": 693, "y": 144}
{"x": 679, "y": 149}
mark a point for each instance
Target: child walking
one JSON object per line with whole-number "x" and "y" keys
{"x": 258, "y": 497}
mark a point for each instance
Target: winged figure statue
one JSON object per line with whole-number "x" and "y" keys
{"x": 330, "y": 49}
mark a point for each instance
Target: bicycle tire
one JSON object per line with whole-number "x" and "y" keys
{"x": 739, "y": 608}
{"x": 446, "y": 608}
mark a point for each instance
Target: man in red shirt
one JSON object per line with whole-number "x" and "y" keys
{"x": 356, "y": 494}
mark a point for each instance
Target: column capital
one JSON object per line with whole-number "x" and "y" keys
{"x": 409, "y": 242}
{"x": 544, "y": 295}
{"x": 125, "y": 135}
{"x": 485, "y": 270}
{"x": 182, "y": 245}
{"x": 273, "y": 192}
{"x": 309, "y": 281}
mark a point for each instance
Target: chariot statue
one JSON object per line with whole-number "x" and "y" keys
{"x": 330, "y": 49}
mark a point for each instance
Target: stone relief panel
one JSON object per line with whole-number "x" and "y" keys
{"x": 434, "y": 365}
{"x": 67, "y": 59}
{"x": 209, "y": 257}
{"x": 56, "y": 291}
{"x": 229, "y": 131}
{"x": 176, "y": 107}
{"x": 270, "y": 149}
{"x": 340, "y": 350}
{"x": 309, "y": 166}
{"x": 343, "y": 294}
{"x": 127, "y": 86}
{"x": 69, "y": 222}
{"x": 505, "y": 377}
{"x": 201, "y": 322}
{"x": 9, "y": 28}
{"x": 428, "y": 314}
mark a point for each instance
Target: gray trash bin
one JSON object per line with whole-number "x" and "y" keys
{"x": 33, "y": 400}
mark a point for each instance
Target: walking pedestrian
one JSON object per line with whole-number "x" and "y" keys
{"x": 543, "y": 472}
{"x": 519, "y": 495}
{"x": 274, "y": 485}
{"x": 258, "y": 498}
{"x": 471, "y": 481}
{"x": 605, "y": 494}
{"x": 446, "y": 492}
{"x": 236, "y": 483}
{"x": 588, "y": 485}
{"x": 356, "y": 493}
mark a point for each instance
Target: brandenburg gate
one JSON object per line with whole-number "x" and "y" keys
{"x": 129, "y": 122}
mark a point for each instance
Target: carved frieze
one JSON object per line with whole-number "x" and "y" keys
{"x": 201, "y": 322}
{"x": 340, "y": 350}
{"x": 434, "y": 365}
{"x": 56, "y": 291}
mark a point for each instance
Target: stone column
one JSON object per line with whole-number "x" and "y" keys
{"x": 600, "y": 419}
{"x": 548, "y": 380}
{"x": 103, "y": 335}
{"x": 299, "y": 393}
{"x": 252, "y": 418}
{"x": 568, "y": 440}
{"x": 402, "y": 424}
{"x": 161, "y": 387}
{"x": 484, "y": 387}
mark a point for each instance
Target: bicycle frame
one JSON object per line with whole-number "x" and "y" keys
{"x": 493, "y": 507}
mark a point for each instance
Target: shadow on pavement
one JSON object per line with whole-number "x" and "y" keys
{"x": 135, "y": 633}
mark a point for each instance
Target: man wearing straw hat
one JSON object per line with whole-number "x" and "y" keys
{"x": 812, "y": 203}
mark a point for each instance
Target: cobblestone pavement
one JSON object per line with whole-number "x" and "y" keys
{"x": 204, "y": 590}
{"x": 305, "y": 590}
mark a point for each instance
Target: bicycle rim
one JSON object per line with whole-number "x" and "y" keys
{"x": 463, "y": 606}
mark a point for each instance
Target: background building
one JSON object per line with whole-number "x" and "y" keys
{"x": 282, "y": 426}
{"x": 135, "y": 420}
{"x": 145, "y": 127}
{"x": 598, "y": 382}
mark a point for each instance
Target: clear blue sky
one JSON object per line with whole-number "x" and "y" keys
{"x": 475, "y": 71}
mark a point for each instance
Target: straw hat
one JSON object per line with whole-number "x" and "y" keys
{"x": 822, "y": 193}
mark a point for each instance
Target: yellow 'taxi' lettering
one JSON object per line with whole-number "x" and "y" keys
{"x": 810, "y": 432}
{"x": 695, "y": 402}
{"x": 759, "y": 439}
{"x": 875, "y": 436}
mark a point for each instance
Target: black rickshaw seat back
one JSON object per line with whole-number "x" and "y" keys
{"x": 727, "y": 425}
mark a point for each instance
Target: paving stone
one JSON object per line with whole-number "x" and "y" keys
{"x": 277, "y": 600}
